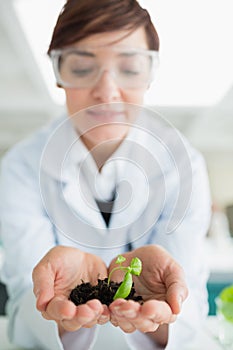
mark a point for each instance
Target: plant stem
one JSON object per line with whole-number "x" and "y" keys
{"x": 122, "y": 268}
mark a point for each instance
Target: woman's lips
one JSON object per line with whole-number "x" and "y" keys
{"x": 107, "y": 116}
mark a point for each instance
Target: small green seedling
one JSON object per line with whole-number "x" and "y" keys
{"x": 135, "y": 268}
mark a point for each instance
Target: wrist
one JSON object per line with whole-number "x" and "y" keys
{"x": 160, "y": 336}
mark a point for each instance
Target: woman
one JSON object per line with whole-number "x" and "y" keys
{"x": 101, "y": 183}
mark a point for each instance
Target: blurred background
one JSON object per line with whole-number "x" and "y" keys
{"x": 193, "y": 89}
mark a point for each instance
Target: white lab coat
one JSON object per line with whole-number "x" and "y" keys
{"x": 43, "y": 204}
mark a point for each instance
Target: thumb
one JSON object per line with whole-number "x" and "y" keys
{"x": 176, "y": 295}
{"x": 43, "y": 280}
{"x": 177, "y": 290}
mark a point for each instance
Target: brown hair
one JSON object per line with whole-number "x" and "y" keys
{"x": 82, "y": 18}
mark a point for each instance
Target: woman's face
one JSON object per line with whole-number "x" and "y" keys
{"x": 105, "y": 90}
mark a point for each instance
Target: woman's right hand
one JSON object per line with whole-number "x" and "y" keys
{"x": 59, "y": 271}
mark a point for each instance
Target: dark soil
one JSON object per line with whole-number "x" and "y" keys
{"x": 102, "y": 291}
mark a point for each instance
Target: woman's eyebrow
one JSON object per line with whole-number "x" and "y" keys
{"x": 127, "y": 54}
{"x": 84, "y": 53}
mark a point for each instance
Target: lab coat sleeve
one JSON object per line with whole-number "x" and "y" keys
{"x": 186, "y": 245}
{"x": 27, "y": 235}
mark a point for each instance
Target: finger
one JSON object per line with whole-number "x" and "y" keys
{"x": 84, "y": 316}
{"x": 70, "y": 326}
{"x": 156, "y": 311}
{"x": 114, "y": 309}
{"x": 128, "y": 309}
{"x": 176, "y": 296}
{"x": 43, "y": 279}
{"x": 130, "y": 317}
{"x": 96, "y": 306}
{"x": 116, "y": 304}
{"x": 148, "y": 316}
{"x": 113, "y": 320}
{"x": 177, "y": 290}
{"x": 145, "y": 325}
{"x": 98, "y": 309}
{"x": 126, "y": 325}
{"x": 46, "y": 316}
{"x": 105, "y": 316}
{"x": 119, "y": 311}
{"x": 60, "y": 308}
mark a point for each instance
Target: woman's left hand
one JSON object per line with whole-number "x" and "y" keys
{"x": 161, "y": 285}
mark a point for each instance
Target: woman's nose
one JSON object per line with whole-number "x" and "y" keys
{"x": 106, "y": 89}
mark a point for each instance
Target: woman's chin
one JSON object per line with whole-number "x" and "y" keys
{"x": 107, "y": 132}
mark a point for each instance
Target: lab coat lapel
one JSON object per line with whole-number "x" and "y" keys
{"x": 132, "y": 195}
{"x": 78, "y": 196}
{"x": 136, "y": 169}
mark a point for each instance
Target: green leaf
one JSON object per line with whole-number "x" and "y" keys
{"x": 225, "y": 303}
{"x": 227, "y": 294}
{"x": 124, "y": 290}
{"x": 136, "y": 266}
{"x": 120, "y": 259}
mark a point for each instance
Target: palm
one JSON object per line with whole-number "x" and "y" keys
{"x": 75, "y": 269}
{"x": 149, "y": 286}
{"x": 159, "y": 284}
{"x": 62, "y": 269}
{"x": 151, "y": 283}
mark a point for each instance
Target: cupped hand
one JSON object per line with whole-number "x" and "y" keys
{"x": 61, "y": 270}
{"x": 161, "y": 285}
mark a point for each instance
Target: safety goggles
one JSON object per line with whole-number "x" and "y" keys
{"x": 82, "y": 67}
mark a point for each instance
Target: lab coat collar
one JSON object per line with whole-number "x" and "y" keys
{"x": 62, "y": 151}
